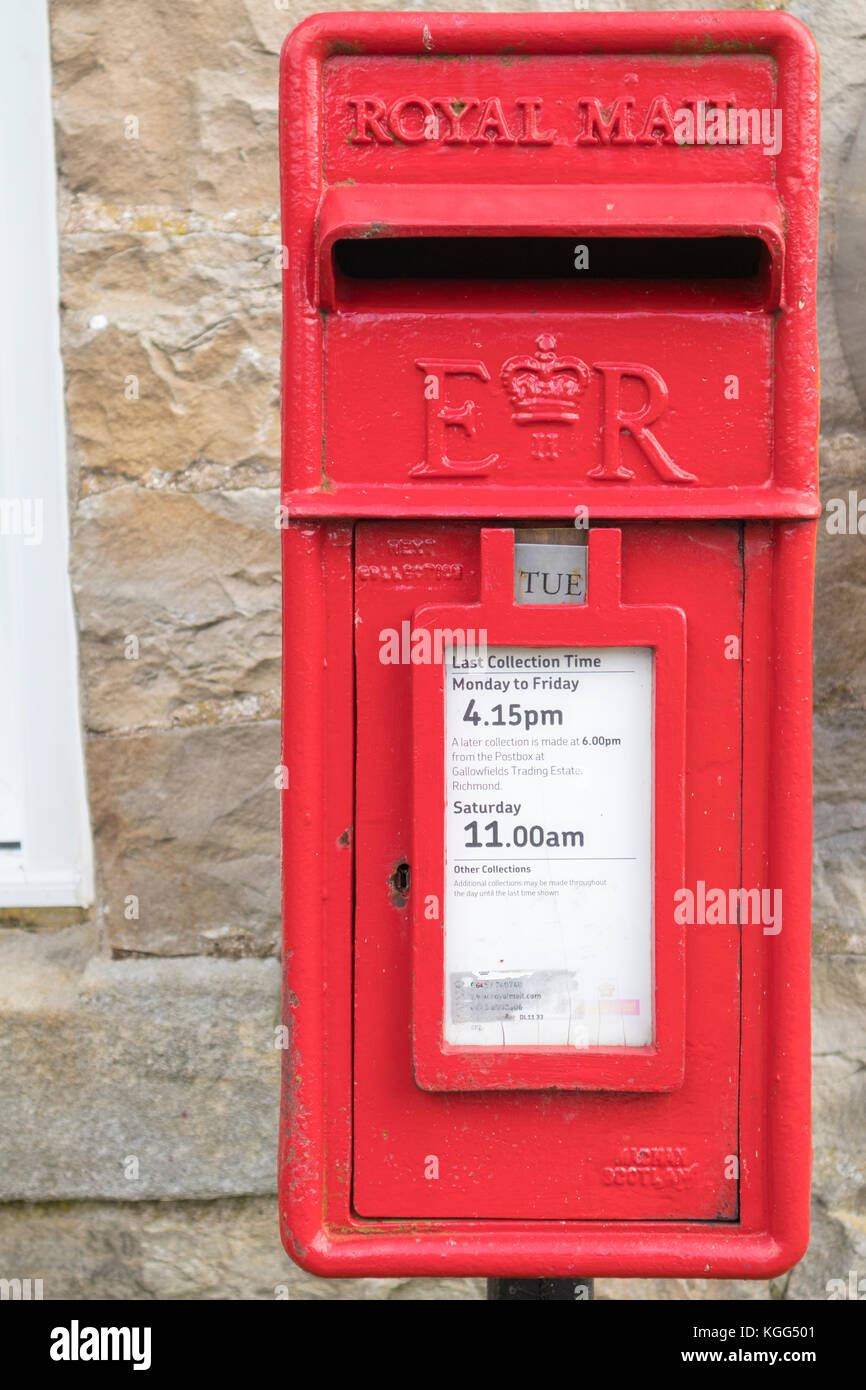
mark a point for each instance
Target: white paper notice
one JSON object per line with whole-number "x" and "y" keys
{"x": 548, "y": 917}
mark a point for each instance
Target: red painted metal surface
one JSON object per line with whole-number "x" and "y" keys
{"x": 543, "y": 1153}
{"x": 690, "y": 422}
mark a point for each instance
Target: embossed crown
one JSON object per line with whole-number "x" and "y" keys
{"x": 545, "y": 387}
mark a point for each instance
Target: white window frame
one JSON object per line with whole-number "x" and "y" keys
{"x": 40, "y": 739}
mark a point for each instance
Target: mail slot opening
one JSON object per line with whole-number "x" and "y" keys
{"x": 573, "y": 258}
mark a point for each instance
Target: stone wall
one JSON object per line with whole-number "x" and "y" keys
{"x": 139, "y": 1067}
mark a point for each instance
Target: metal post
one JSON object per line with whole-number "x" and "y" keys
{"x": 540, "y": 1290}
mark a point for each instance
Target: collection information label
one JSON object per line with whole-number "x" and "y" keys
{"x": 549, "y": 838}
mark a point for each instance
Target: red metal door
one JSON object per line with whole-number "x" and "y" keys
{"x": 545, "y": 1154}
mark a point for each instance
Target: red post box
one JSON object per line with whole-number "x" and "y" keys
{"x": 550, "y": 419}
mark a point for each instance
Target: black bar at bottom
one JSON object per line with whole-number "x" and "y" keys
{"x": 540, "y": 1290}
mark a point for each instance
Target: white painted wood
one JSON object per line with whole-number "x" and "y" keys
{"x": 42, "y": 780}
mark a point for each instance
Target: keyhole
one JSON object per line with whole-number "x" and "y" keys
{"x": 399, "y": 881}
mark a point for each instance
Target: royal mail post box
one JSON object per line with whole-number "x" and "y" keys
{"x": 550, "y": 417}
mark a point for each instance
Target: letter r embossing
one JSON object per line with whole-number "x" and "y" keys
{"x": 616, "y": 421}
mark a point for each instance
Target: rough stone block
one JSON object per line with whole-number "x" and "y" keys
{"x": 187, "y": 833}
{"x": 134, "y": 1079}
{"x": 178, "y": 598}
